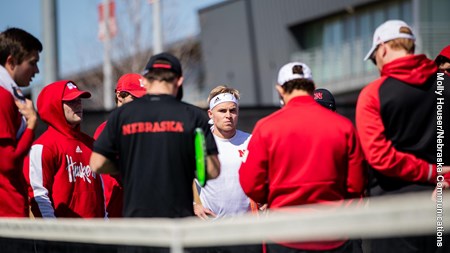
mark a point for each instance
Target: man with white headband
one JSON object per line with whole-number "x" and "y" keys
{"x": 303, "y": 154}
{"x": 223, "y": 196}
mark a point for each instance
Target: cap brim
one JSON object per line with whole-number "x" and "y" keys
{"x": 370, "y": 53}
{"x": 77, "y": 94}
{"x": 137, "y": 93}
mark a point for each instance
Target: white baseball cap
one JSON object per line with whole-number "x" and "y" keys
{"x": 287, "y": 74}
{"x": 387, "y": 31}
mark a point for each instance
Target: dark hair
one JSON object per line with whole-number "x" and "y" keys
{"x": 17, "y": 43}
{"x": 440, "y": 59}
{"x": 161, "y": 74}
{"x": 300, "y": 83}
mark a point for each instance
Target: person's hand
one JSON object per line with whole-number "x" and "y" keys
{"x": 445, "y": 169}
{"x": 262, "y": 207}
{"x": 27, "y": 110}
{"x": 445, "y": 185}
{"x": 202, "y": 212}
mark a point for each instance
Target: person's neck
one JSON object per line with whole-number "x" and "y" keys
{"x": 295, "y": 93}
{"x": 393, "y": 55}
{"x": 224, "y": 134}
{"x": 161, "y": 87}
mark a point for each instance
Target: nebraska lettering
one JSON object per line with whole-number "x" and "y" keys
{"x": 152, "y": 127}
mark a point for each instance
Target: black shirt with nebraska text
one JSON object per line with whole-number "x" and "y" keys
{"x": 153, "y": 137}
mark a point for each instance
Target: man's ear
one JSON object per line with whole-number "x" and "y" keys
{"x": 180, "y": 81}
{"x": 209, "y": 114}
{"x": 279, "y": 90}
{"x": 10, "y": 63}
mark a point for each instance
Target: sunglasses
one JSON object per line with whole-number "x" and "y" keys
{"x": 372, "y": 57}
{"x": 124, "y": 94}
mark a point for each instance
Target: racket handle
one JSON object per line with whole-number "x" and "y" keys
{"x": 200, "y": 156}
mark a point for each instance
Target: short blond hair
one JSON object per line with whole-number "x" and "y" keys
{"x": 223, "y": 89}
{"x": 401, "y": 43}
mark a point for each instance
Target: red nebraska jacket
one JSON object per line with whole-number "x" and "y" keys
{"x": 304, "y": 154}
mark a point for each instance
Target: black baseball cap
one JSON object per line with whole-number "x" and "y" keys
{"x": 325, "y": 98}
{"x": 170, "y": 63}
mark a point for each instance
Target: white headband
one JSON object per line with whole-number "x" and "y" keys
{"x": 221, "y": 98}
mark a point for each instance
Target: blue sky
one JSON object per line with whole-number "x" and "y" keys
{"x": 77, "y": 25}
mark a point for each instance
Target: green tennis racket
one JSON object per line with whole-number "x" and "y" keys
{"x": 200, "y": 156}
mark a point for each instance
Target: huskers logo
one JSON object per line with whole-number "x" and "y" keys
{"x": 152, "y": 127}
{"x": 78, "y": 170}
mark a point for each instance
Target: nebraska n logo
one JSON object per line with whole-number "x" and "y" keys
{"x": 318, "y": 95}
{"x": 71, "y": 86}
{"x": 244, "y": 155}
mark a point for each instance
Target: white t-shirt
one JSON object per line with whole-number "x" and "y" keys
{"x": 224, "y": 195}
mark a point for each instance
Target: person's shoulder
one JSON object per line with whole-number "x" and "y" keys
{"x": 5, "y": 95}
{"x": 243, "y": 134}
{"x": 193, "y": 109}
{"x": 340, "y": 118}
{"x": 373, "y": 86}
{"x": 191, "y": 106}
{"x": 339, "y": 121}
{"x": 47, "y": 141}
{"x": 7, "y": 104}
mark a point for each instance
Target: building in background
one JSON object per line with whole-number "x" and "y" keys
{"x": 244, "y": 42}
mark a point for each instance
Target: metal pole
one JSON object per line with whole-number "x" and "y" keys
{"x": 416, "y": 24}
{"x": 157, "y": 32}
{"x": 254, "y": 53}
{"x": 107, "y": 66}
{"x": 50, "y": 46}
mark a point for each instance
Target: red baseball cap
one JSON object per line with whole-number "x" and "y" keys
{"x": 131, "y": 83}
{"x": 72, "y": 92}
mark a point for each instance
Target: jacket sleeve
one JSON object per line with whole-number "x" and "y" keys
{"x": 13, "y": 152}
{"x": 357, "y": 174}
{"x": 38, "y": 170}
{"x": 379, "y": 151}
{"x": 253, "y": 173}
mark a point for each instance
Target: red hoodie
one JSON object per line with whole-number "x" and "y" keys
{"x": 60, "y": 181}
{"x": 396, "y": 123}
